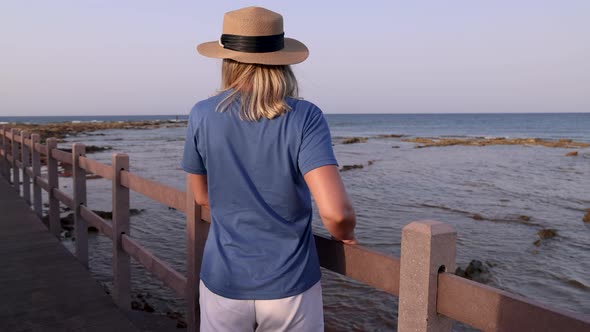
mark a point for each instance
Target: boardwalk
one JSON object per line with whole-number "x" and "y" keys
{"x": 45, "y": 288}
{"x": 42, "y": 286}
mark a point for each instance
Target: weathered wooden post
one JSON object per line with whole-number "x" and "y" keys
{"x": 53, "y": 182}
{"x": 36, "y": 166}
{"x": 428, "y": 247}
{"x": 15, "y": 154}
{"x": 197, "y": 231}
{"x": 121, "y": 260}
{"x": 26, "y": 159}
{"x": 3, "y": 159}
{"x": 79, "y": 182}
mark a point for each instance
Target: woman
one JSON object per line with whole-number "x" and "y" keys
{"x": 254, "y": 152}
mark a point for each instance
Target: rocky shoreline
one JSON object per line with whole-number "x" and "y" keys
{"x": 425, "y": 142}
{"x": 61, "y": 130}
{"x": 484, "y": 141}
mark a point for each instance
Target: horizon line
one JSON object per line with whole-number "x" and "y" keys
{"x": 327, "y": 113}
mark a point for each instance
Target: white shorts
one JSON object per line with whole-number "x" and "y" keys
{"x": 303, "y": 312}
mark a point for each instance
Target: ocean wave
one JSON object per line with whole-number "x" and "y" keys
{"x": 520, "y": 219}
{"x": 569, "y": 281}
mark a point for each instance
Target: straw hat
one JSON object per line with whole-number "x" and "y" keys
{"x": 255, "y": 35}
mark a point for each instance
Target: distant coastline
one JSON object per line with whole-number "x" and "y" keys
{"x": 89, "y": 118}
{"x": 165, "y": 117}
{"x": 64, "y": 129}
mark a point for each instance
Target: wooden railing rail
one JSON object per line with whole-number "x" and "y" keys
{"x": 62, "y": 156}
{"x": 491, "y": 309}
{"x": 93, "y": 166}
{"x": 158, "y": 267}
{"x": 429, "y": 296}
{"x": 62, "y": 197}
{"x": 100, "y": 224}
{"x": 158, "y": 192}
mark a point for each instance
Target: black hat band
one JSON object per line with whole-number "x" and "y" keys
{"x": 253, "y": 44}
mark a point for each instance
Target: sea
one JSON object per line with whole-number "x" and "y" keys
{"x": 497, "y": 198}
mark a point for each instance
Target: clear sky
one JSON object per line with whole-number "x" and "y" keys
{"x": 102, "y": 57}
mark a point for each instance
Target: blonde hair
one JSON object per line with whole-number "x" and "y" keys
{"x": 262, "y": 89}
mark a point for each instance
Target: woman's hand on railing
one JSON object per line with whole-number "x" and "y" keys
{"x": 350, "y": 240}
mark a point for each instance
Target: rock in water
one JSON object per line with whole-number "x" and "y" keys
{"x": 475, "y": 271}
{"x": 524, "y": 218}
{"x": 147, "y": 307}
{"x": 547, "y": 233}
{"x": 109, "y": 214}
{"x": 586, "y": 218}
{"x": 135, "y": 305}
{"x": 571, "y": 154}
{"x": 478, "y": 217}
{"x": 91, "y": 149}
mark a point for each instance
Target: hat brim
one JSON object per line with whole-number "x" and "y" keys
{"x": 293, "y": 52}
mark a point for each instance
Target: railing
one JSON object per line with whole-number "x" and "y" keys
{"x": 429, "y": 297}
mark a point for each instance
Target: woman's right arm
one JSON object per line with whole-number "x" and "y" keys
{"x": 332, "y": 201}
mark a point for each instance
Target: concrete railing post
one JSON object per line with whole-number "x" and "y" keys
{"x": 428, "y": 247}
{"x": 53, "y": 182}
{"x": 15, "y": 154}
{"x": 79, "y": 182}
{"x": 197, "y": 231}
{"x": 121, "y": 260}
{"x": 26, "y": 160}
{"x": 36, "y": 166}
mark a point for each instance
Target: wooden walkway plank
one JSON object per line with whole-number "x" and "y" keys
{"x": 42, "y": 285}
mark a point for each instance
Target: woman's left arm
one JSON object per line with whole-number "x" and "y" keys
{"x": 199, "y": 187}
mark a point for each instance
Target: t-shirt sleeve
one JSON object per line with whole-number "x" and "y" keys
{"x": 316, "y": 144}
{"x": 192, "y": 162}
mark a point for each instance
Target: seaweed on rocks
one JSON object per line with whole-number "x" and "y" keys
{"x": 353, "y": 140}
{"x": 483, "y": 141}
{"x": 62, "y": 130}
{"x": 390, "y": 136}
{"x": 91, "y": 149}
{"x": 350, "y": 167}
{"x": 547, "y": 233}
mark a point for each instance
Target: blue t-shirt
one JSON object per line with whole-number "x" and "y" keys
{"x": 260, "y": 243}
